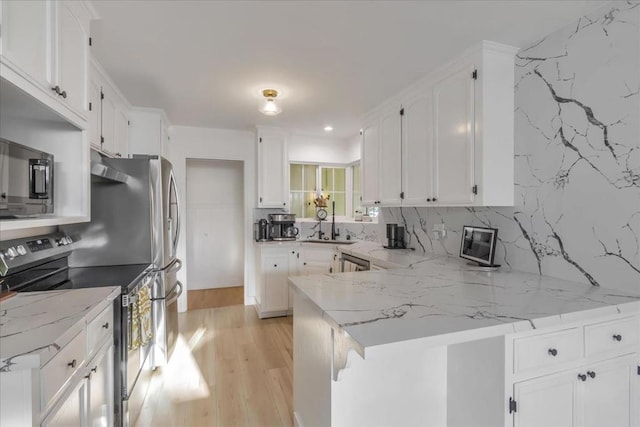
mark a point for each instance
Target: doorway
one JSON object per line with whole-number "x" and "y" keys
{"x": 215, "y": 233}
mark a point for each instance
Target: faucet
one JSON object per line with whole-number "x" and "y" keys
{"x": 334, "y": 233}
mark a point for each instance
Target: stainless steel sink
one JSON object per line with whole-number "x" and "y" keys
{"x": 333, "y": 242}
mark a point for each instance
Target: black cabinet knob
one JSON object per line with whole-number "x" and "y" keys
{"x": 106, "y": 325}
{"x": 428, "y": 200}
{"x": 553, "y": 352}
{"x": 617, "y": 337}
{"x": 64, "y": 94}
{"x": 591, "y": 374}
{"x": 275, "y": 265}
{"x": 94, "y": 369}
{"x": 434, "y": 199}
{"x": 72, "y": 364}
{"x": 582, "y": 377}
{"x": 56, "y": 89}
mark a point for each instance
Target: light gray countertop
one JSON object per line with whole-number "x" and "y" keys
{"x": 443, "y": 299}
{"x": 34, "y": 326}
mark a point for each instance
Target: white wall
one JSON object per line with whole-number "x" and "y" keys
{"x": 215, "y": 223}
{"x": 353, "y": 148}
{"x": 318, "y": 149}
{"x": 221, "y": 144}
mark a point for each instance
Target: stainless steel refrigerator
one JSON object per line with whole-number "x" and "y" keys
{"x": 133, "y": 222}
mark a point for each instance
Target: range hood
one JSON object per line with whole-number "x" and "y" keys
{"x": 105, "y": 171}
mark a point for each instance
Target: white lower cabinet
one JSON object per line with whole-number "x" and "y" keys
{"x": 559, "y": 379}
{"x": 100, "y": 404}
{"x": 597, "y": 395}
{"x": 72, "y": 410}
{"x": 74, "y": 388}
{"x": 277, "y": 262}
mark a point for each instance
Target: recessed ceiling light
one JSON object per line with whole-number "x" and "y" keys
{"x": 328, "y": 128}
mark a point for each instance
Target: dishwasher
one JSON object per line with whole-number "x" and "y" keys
{"x": 350, "y": 263}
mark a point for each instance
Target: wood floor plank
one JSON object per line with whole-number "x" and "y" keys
{"x": 229, "y": 369}
{"x": 215, "y": 297}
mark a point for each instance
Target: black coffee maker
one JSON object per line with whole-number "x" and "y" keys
{"x": 395, "y": 237}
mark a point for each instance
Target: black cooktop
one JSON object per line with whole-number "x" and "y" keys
{"x": 56, "y": 275}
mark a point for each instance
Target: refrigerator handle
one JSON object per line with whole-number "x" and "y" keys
{"x": 177, "y": 219}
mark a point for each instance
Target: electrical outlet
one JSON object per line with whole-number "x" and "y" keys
{"x": 439, "y": 232}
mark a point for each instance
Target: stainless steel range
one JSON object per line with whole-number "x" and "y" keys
{"x": 41, "y": 264}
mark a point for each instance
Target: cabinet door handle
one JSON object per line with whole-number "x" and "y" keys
{"x": 56, "y": 89}
{"x": 428, "y": 200}
{"x": 591, "y": 374}
{"x": 72, "y": 364}
{"x": 553, "y": 352}
{"x": 617, "y": 337}
{"x": 275, "y": 265}
{"x": 434, "y": 199}
{"x": 88, "y": 376}
{"x": 64, "y": 94}
{"x": 94, "y": 369}
{"x": 106, "y": 325}
{"x": 582, "y": 377}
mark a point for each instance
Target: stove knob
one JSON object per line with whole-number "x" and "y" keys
{"x": 69, "y": 241}
{"x": 11, "y": 253}
{"x": 21, "y": 250}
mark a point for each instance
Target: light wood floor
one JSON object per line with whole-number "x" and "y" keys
{"x": 216, "y": 297}
{"x": 229, "y": 369}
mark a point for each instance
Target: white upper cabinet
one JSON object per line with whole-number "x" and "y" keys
{"x": 45, "y": 52}
{"x": 453, "y": 144}
{"x": 108, "y": 115}
{"x": 417, "y": 149}
{"x": 370, "y": 157}
{"x": 73, "y": 55}
{"x": 27, "y": 41}
{"x": 148, "y": 132}
{"x": 453, "y": 136}
{"x": 390, "y": 156}
{"x": 273, "y": 169}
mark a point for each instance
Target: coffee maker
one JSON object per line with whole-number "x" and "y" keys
{"x": 282, "y": 227}
{"x": 261, "y": 230}
{"x": 395, "y": 237}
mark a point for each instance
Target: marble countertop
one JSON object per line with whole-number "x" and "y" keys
{"x": 34, "y": 326}
{"x": 445, "y": 301}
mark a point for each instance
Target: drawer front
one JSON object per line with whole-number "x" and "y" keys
{"x": 317, "y": 254}
{"x": 547, "y": 350}
{"x": 61, "y": 368}
{"x": 99, "y": 329}
{"x": 610, "y": 337}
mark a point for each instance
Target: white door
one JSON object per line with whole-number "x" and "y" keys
{"x": 108, "y": 126}
{"x": 100, "y": 402}
{"x": 95, "y": 113}
{"x": 370, "y": 167}
{"x": 548, "y": 401}
{"x": 26, "y": 39}
{"x": 417, "y": 149}
{"x": 122, "y": 133}
{"x": 273, "y": 171}
{"x": 275, "y": 268}
{"x": 390, "y": 156}
{"x": 73, "y": 55}
{"x": 607, "y": 394}
{"x": 72, "y": 412}
{"x": 215, "y": 223}
{"x": 453, "y": 138}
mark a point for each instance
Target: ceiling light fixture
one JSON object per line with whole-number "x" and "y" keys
{"x": 269, "y": 107}
{"x": 328, "y": 128}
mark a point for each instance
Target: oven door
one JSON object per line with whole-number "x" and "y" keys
{"x": 137, "y": 310}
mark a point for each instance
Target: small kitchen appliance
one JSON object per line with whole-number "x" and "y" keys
{"x": 26, "y": 183}
{"x": 395, "y": 237}
{"x": 282, "y": 227}
{"x": 261, "y": 230}
{"x": 479, "y": 246}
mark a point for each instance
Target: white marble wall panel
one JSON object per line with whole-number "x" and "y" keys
{"x": 577, "y": 165}
{"x": 355, "y": 230}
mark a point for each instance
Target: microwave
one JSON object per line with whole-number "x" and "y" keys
{"x": 26, "y": 181}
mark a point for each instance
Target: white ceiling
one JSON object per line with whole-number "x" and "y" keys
{"x": 204, "y": 62}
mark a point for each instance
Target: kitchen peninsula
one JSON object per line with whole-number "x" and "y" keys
{"x": 419, "y": 345}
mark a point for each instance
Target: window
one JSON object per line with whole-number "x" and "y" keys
{"x": 340, "y": 184}
{"x": 304, "y": 188}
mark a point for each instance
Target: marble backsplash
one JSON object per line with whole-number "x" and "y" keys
{"x": 355, "y": 230}
{"x": 577, "y": 160}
